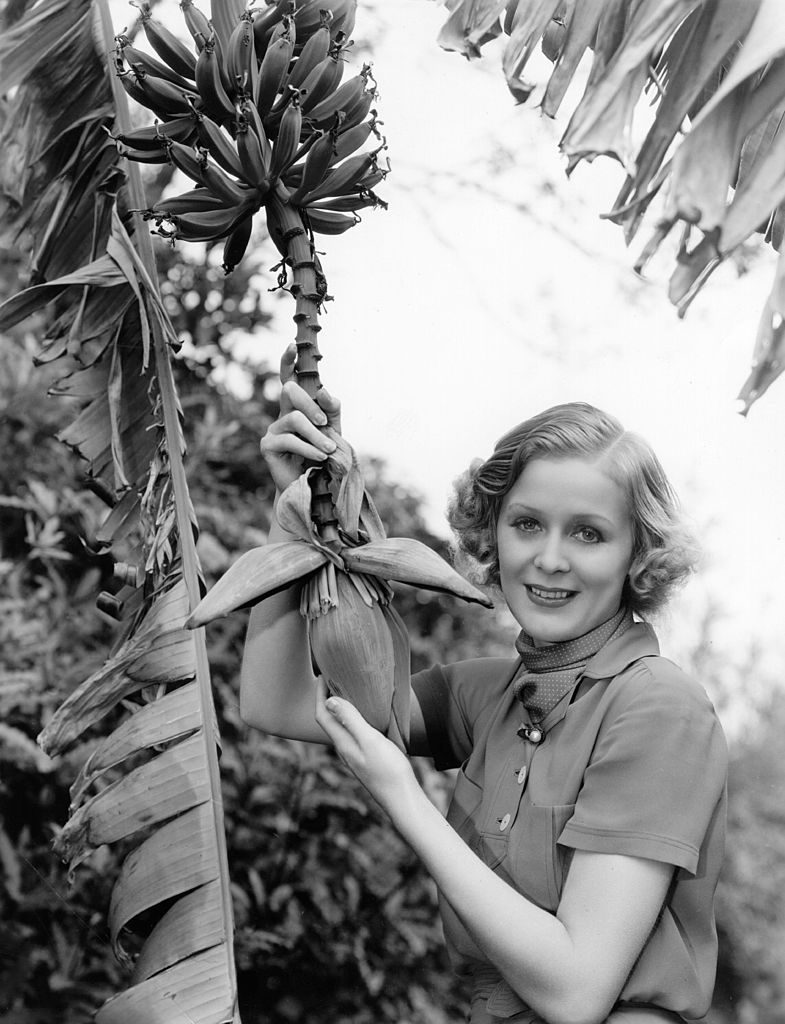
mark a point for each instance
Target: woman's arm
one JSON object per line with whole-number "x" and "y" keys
{"x": 570, "y": 968}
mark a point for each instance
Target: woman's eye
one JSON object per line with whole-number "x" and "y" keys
{"x": 526, "y": 525}
{"x": 588, "y": 535}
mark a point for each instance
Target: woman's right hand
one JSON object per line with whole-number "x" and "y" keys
{"x": 296, "y": 436}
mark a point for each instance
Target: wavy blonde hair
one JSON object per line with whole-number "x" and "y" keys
{"x": 664, "y": 550}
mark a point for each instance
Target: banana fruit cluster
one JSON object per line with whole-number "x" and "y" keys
{"x": 262, "y": 119}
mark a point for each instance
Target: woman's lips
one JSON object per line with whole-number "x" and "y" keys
{"x": 549, "y": 597}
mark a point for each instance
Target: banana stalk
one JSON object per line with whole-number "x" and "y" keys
{"x": 284, "y": 136}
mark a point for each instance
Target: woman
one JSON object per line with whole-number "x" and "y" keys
{"x": 578, "y": 861}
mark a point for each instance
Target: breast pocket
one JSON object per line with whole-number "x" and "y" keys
{"x": 538, "y": 863}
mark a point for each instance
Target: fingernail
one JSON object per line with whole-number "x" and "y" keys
{"x": 321, "y": 420}
{"x": 332, "y": 705}
{"x": 330, "y": 445}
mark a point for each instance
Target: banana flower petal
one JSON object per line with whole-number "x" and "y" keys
{"x": 398, "y": 729}
{"x": 353, "y": 649}
{"x": 254, "y": 575}
{"x": 408, "y": 561}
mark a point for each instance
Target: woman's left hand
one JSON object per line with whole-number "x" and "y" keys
{"x": 378, "y": 764}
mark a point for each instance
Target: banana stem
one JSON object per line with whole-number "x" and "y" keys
{"x": 301, "y": 257}
{"x": 308, "y": 292}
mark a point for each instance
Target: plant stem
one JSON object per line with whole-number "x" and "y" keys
{"x": 293, "y": 240}
{"x": 301, "y": 257}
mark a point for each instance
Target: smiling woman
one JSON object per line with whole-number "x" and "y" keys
{"x": 564, "y": 540}
{"x": 580, "y": 853}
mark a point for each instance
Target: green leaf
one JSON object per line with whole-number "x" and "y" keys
{"x": 602, "y": 120}
{"x": 768, "y": 360}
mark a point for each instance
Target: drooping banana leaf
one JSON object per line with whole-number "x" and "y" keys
{"x": 67, "y": 199}
{"x": 713, "y": 71}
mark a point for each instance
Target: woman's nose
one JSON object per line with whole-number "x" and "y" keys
{"x": 551, "y": 556}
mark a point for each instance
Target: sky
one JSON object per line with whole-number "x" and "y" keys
{"x": 491, "y": 289}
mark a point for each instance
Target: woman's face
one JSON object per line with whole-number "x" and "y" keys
{"x": 564, "y": 538}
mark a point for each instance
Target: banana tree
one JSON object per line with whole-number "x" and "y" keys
{"x": 254, "y": 112}
{"x": 713, "y": 157}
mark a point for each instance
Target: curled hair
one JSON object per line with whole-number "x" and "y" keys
{"x": 663, "y": 553}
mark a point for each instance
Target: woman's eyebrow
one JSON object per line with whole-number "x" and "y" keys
{"x": 519, "y": 508}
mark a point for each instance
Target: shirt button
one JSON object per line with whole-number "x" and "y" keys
{"x": 521, "y": 776}
{"x": 504, "y": 822}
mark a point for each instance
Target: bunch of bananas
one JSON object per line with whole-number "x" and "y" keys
{"x": 258, "y": 120}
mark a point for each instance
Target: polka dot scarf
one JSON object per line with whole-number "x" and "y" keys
{"x": 550, "y": 672}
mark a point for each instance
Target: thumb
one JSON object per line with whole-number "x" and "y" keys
{"x": 345, "y": 714}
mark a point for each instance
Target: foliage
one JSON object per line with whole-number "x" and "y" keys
{"x": 751, "y": 896}
{"x": 335, "y": 919}
{"x": 707, "y": 79}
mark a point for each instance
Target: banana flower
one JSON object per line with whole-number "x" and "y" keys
{"x": 358, "y": 641}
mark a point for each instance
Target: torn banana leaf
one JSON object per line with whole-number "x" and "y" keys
{"x": 154, "y": 780}
{"x": 712, "y": 72}
{"x": 768, "y": 359}
{"x": 602, "y": 121}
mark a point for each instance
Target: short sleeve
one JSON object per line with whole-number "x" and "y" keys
{"x": 657, "y": 771}
{"x": 454, "y": 699}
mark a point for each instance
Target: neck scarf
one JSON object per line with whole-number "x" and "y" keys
{"x": 548, "y": 673}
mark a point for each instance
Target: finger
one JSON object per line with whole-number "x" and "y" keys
{"x": 327, "y": 718}
{"x": 290, "y": 445}
{"x": 293, "y": 397}
{"x": 331, "y": 407}
{"x": 288, "y": 359}
{"x": 299, "y": 423}
{"x": 348, "y": 717}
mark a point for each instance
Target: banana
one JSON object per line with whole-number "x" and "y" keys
{"x": 217, "y": 142}
{"x": 287, "y": 141}
{"x": 275, "y": 65}
{"x": 316, "y": 164}
{"x": 265, "y": 23}
{"x": 236, "y": 244}
{"x": 241, "y": 65}
{"x": 328, "y": 222}
{"x": 196, "y": 22}
{"x": 143, "y": 156}
{"x": 321, "y": 82}
{"x": 131, "y": 85}
{"x": 308, "y": 16}
{"x": 163, "y": 95}
{"x": 342, "y": 179}
{"x": 135, "y": 58}
{"x": 222, "y": 186}
{"x": 350, "y": 141}
{"x": 250, "y": 114}
{"x": 186, "y": 160}
{"x": 313, "y": 52}
{"x": 356, "y": 113}
{"x": 152, "y": 136}
{"x": 323, "y": 114}
{"x": 293, "y": 177}
{"x": 256, "y": 170}
{"x": 347, "y": 204}
{"x": 165, "y": 43}
{"x": 187, "y": 202}
{"x": 210, "y": 84}
{"x": 205, "y": 226}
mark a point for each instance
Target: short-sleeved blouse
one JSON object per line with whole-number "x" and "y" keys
{"x": 633, "y": 761}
